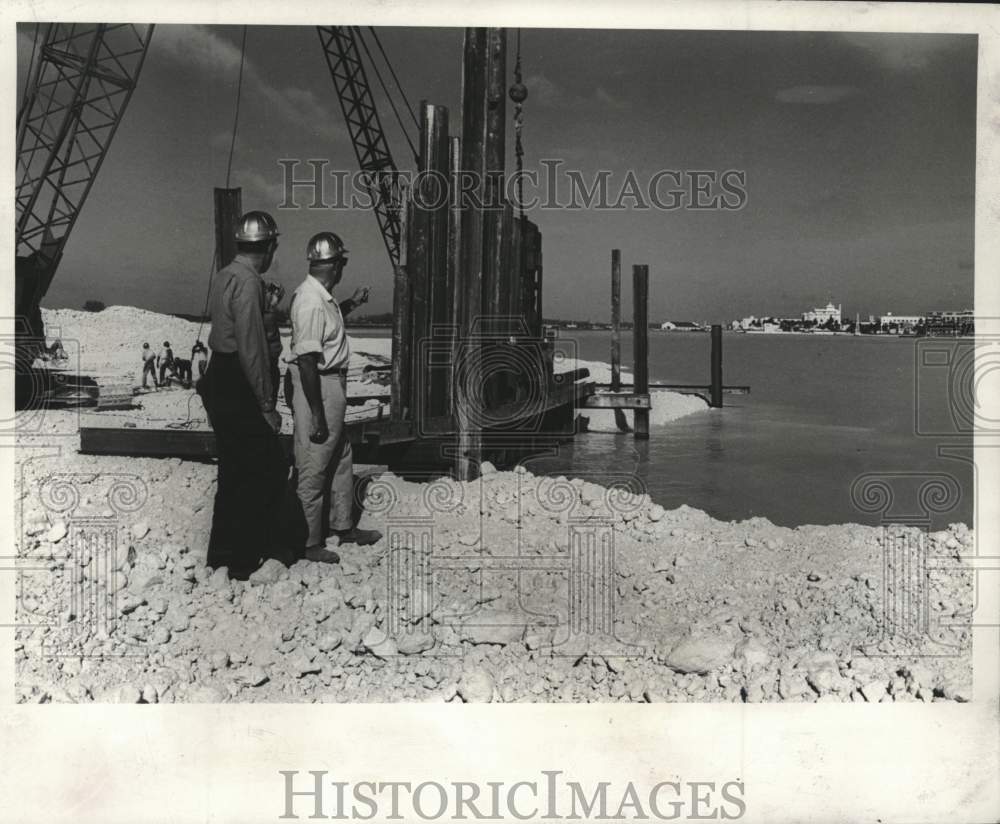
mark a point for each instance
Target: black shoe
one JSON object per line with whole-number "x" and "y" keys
{"x": 361, "y": 537}
{"x": 321, "y": 555}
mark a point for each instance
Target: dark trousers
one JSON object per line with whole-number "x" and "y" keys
{"x": 183, "y": 369}
{"x": 253, "y": 472}
{"x": 149, "y": 369}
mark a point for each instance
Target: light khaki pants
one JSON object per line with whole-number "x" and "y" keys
{"x": 325, "y": 470}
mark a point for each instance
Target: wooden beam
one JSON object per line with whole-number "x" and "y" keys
{"x": 367, "y": 439}
{"x": 640, "y": 332}
{"x": 467, "y": 354}
{"x": 228, "y": 211}
{"x": 495, "y": 146}
{"x": 373, "y": 441}
{"x": 418, "y": 268}
{"x": 454, "y": 251}
{"x": 682, "y": 388}
{"x": 716, "y": 366}
{"x": 618, "y": 400}
{"x": 401, "y": 318}
{"x": 616, "y": 319}
{"x": 434, "y": 167}
{"x": 616, "y": 333}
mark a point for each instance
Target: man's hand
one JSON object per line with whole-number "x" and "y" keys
{"x": 360, "y": 296}
{"x": 273, "y": 418}
{"x": 275, "y": 294}
{"x": 318, "y": 431}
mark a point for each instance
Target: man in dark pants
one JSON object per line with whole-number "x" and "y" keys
{"x": 239, "y": 400}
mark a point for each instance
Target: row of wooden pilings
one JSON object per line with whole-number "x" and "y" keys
{"x": 640, "y": 345}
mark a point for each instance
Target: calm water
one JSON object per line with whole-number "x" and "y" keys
{"x": 823, "y": 411}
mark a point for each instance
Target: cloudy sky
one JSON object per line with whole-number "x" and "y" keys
{"x": 858, "y": 150}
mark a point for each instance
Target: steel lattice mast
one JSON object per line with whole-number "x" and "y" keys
{"x": 81, "y": 81}
{"x": 370, "y": 145}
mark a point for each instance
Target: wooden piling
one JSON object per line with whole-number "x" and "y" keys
{"x": 495, "y": 147}
{"x": 454, "y": 251}
{"x": 401, "y": 319}
{"x": 640, "y": 332}
{"x": 467, "y": 351}
{"x": 441, "y": 310}
{"x": 716, "y": 390}
{"x": 532, "y": 239}
{"x": 418, "y": 275}
{"x": 228, "y": 210}
{"x": 616, "y": 320}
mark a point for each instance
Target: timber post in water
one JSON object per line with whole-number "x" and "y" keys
{"x": 616, "y": 333}
{"x": 228, "y": 211}
{"x": 640, "y": 333}
{"x": 716, "y": 388}
{"x": 616, "y": 320}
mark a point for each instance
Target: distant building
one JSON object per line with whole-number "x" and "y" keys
{"x": 681, "y": 326}
{"x": 950, "y": 324}
{"x": 900, "y": 323}
{"x": 823, "y": 315}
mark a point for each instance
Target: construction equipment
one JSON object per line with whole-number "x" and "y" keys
{"x": 79, "y": 84}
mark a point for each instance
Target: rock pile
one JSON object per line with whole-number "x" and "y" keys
{"x": 505, "y": 589}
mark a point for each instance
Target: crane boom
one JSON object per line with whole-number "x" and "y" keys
{"x": 80, "y": 85}
{"x": 365, "y": 127}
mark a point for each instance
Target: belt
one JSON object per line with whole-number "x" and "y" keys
{"x": 342, "y": 373}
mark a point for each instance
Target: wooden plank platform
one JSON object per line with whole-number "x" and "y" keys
{"x": 199, "y": 444}
{"x": 684, "y": 388}
{"x": 617, "y": 400}
{"x": 374, "y": 441}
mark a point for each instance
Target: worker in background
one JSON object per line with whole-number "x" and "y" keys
{"x": 56, "y": 351}
{"x": 165, "y": 361}
{"x": 149, "y": 366}
{"x": 320, "y": 354}
{"x": 239, "y": 400}
{"x": 182, "y": 369}
{"x": 199, "y": 355}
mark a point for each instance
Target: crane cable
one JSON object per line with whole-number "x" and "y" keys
{"x": 236, "y": 115}
{"x": 186, "y": 424}
{"x": 229, "y": 169}
{"x": 388, "y": 96}
{"x": 392, "y": 71}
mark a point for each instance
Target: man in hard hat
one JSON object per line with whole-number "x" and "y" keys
{"x": 320, "y": 353}
{"x": 239, "y": 398}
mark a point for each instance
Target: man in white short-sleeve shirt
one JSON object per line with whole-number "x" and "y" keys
{"x": 320, "y": 353}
